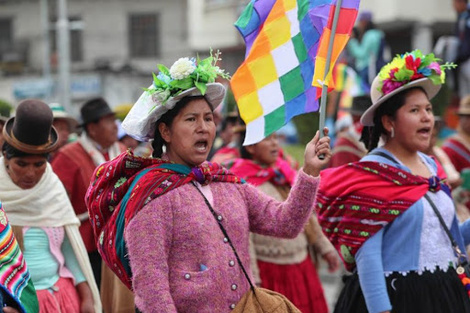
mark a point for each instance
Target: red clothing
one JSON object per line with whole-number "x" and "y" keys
{"x": 346, "y": 150}
{"x": 63, "y": 298}
{"x": 75, "y": 168}
{"x": 298, "y": 282}
{"x": 458, "y": 151}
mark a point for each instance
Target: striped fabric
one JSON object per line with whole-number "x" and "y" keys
{"x": 14, "y": 276}
{"x": 282, "y": 39}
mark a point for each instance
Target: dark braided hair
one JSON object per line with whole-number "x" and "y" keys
{"x": 371, "y": 134}
{"x": 167, "y": 119}
{"x": 10, "y": 152}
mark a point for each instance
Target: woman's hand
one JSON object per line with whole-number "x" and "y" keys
{"x": 86, "y": 298}
{"x": 316, "y": 147}
{"x": 9, "y": 309}
{"x": 333, "y": 261}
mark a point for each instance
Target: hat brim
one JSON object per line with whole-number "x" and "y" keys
{"x": 367, "y": 119}
{"x": 73, "y": 123}
{"x": 140, "y": 124}
{"x": 26, "y": 148}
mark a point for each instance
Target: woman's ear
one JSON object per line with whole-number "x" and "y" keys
{"x": 164, "y": 132}
{"x": 387, "y": 123}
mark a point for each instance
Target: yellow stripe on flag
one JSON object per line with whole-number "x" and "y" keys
{"x": 340, "y": 42}
{"x": 264, "y": 70}
{"x": 250, "y": 107}
{"x": 289, "y": 5}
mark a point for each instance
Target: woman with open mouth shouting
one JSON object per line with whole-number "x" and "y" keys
{"x": 391, "y": 216}
{"x": 159, "y": 220}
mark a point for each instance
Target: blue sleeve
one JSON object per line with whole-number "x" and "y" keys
{"x": 465, "y": 231}
{"x": 371, "y": 274}
{"x": 71, "y": 261}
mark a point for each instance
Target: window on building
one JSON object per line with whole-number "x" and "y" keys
{"x": 143, "y": 35}
{"x": 6, "y": 34}
{"x": 76, "y": 38}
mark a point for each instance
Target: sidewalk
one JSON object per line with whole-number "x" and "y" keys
{"x": 332, "y": 284}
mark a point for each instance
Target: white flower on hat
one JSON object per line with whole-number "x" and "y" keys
{"x": 161, "y": 96}
{"x": 182, "y": 68}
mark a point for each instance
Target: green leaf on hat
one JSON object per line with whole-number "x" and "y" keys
{"x": 202, "y": 87}
{"x": 183, "y": 84}
{"x": 162, "y": 68}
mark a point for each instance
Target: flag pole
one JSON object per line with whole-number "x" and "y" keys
{"x": 324, "y": 89}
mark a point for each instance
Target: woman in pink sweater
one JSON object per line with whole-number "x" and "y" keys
{"x": 177, "y": 258}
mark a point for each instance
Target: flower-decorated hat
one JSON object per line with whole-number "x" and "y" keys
{"x": 185, "y": 78}
{"x": 412, "y": 69}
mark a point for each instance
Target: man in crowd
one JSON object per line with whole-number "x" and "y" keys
{"x": 76, "y": 162}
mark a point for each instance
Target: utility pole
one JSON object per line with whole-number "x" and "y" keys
{"x": 63, "y": 48}
{"x": 46, "y": 62}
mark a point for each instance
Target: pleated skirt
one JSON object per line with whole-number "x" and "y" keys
{"x": 298, "y": 282}
{"x": 430, "y": 292}
{"x": 64, "y": 298}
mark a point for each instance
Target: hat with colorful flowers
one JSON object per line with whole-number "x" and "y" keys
{"x": 409, "y": 70}
{"x": 185, "y": 78}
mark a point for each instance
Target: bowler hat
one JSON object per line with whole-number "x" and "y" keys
{"x": 31, "y": 130}
{"x": 93, "y": 110}
{"x": 360, "y": 104}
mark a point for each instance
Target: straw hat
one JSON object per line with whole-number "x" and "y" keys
{"x": 58, "y": 112}
{"x": 413, "y": 70}
{"x": 31, "y": 130}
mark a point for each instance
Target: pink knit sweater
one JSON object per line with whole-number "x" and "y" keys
{"x": 179, "y": 259}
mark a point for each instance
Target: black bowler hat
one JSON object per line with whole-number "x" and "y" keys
{"x": 31, "y": 130}
{"x": 360, "y": 104}
{"x": 93, "y": 110}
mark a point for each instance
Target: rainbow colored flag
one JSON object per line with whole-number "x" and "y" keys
{"x": 283, "y": 39}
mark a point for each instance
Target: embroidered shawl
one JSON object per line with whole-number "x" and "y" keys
{"x": 121, "y": 187}
{"x": 356, "y": 200}
{"x": 280, "y": 174}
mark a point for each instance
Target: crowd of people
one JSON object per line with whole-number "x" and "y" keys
{"x": 168, "y": 211}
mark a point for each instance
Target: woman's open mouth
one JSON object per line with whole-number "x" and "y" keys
{"x": 202, "y": 146}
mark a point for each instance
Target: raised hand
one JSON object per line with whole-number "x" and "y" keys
{"x": 316, "y": 147}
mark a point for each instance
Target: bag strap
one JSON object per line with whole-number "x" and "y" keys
{"x": 454, "y": 244}
{"x": 214, "y": 214}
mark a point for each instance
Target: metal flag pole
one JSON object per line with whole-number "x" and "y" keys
{"x": 324, "y": 89}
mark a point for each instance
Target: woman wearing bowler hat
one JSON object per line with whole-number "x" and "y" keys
{"x": 41, "y": 214}
{"x": 391, "y": 215}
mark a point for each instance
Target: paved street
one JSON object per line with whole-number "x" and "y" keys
{"x": 332, "y": 285}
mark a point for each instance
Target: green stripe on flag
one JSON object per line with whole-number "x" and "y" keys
{"x": 245, "y": 17}
{"x": 292, "y": 84}
{"x": 274, "y": 120}
{"x": 299, "y": 47}
{"x": 302, "y": 8}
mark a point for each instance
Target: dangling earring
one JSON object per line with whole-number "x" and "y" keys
{"x": 392, "y": 132}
